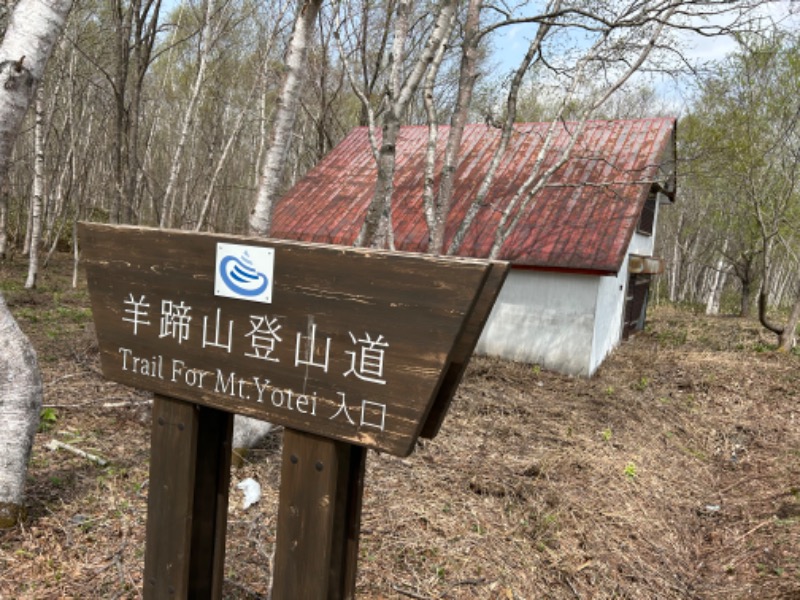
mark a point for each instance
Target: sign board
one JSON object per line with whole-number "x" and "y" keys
{"x": 356, "y": 345}
{"x": 347, "y": 348}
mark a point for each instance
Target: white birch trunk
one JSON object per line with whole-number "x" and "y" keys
{"x": 378, "y": 222}
{"x": 676, "y": 264}
{"x": 437, "y": 207}
{"x": 32, "y": 33}
{"x": 377, "y": 230}
{"x": 263, "y": 129}
{"x": 428, "y": 199}
{"x": 715, "y": 297}
{"x": 60, "y": 204}
{"x": 37, "y": 198}
{"x": 76, "y": 255}
{"x": 53, "y": 230}
{"x": 20, "y": 403}
{"x": 26, "y": 244}
{"x": 3, "y": 220}
{"x": 288, "y": 102}
{"x": 717, "y": 283}
{"x": 265, "y": 115}
{"x": 50, "y": 202}
{"x": 788, "y": 338}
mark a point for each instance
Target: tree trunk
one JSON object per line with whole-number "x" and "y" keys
{"x": 275, "y": 161}
{"x": 787, "y": 333}
{"x": 20, "y": 403}
{"x": 677, "y": 260}
{"x": 439, "y": 210}
{"x": 746, "y": 301}
{"x": 135, "y": 29}
{"x": 37, "y": 199}
{"x": 534, "y": 50}
{"x": 3, "y": 219}
{"x": 212, "y": 185}
{"x": 377, "y": 230}
{"x": 122, "y": 29}
{"x": 717, "y": 283}
{"x": 715, "y": 296}
{"x": 31, "y": 35}
{"x": 788, "y": 338}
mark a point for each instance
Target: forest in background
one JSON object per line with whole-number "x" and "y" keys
{"x": 162, "y": 114}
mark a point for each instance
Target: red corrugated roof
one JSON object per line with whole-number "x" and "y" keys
{"x": 582, "y": 219}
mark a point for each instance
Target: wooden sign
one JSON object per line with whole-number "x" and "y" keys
{"x": 347, "y": 348}
{"x": 352, "y": 344}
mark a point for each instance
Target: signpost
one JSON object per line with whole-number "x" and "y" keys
{"x": 347, "y": 348}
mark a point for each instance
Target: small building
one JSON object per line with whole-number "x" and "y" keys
{"x": 581, "y": 249}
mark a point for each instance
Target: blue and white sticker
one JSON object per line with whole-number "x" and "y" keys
{"x": 244, "y": 272}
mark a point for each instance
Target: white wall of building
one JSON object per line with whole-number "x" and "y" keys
{"x": 561, "y": 321}
{"x": 644, "y": 245}
{"x": 611, "y": 293}
{"x": 544, "y": 318}
{"x": 609, "y": 316}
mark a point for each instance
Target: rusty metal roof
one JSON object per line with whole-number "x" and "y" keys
{"x": 582, "y": 219}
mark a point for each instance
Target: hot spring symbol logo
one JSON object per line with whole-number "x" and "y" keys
{"x": 244, "y": 272}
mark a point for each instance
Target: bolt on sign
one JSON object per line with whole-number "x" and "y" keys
{"x": 359, "y": 347}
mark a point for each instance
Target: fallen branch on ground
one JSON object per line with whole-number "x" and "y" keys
{"x": 55, "y": 445}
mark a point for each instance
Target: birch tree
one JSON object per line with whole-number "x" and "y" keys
{"x": 3, "y": 219}
{"x": 270, "y": 180}
{"x": 31, "y": 35}
{"x": 377, "y": 228}
{"x": 37, "y": 199}
{"x": 437, "y": 204}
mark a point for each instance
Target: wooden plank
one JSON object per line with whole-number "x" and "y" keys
{"x": 359, "y": 349}
{"x": 210, "y": 513}
{"x": 319, "y": 517}
{"x": 187, "y": 500}
{"x": 465, "y": 347}
{"x": 347, "y": 525}
{"x": 170, "y": 499}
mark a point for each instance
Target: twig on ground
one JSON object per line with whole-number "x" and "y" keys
{"x": 125, "y": 403}
{"x": 55, "y": 445}
{"x": 751, "y": 531}
{"x": 408, "y": 593}
{"x": 571, "y": 586}
{"x": 118, "y": 404}
{"x": 64, "y": 377}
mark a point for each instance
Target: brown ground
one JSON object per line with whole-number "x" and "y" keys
{"x": 673, "y": 473}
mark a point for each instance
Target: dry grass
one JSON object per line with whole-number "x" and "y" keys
{"x": 673, "y": 473}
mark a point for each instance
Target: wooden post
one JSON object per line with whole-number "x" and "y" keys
{"x": 187, "y": 502}
{"x": 319, "y": 517}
